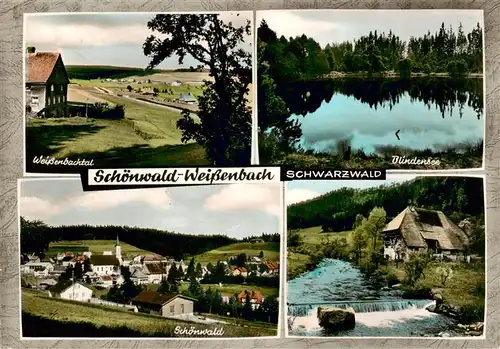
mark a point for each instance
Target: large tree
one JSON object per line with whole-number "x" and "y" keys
{"x": 224, "y": 129}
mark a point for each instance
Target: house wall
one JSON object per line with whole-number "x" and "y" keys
{"x": 177, "y": 304}
{"x": 34, "y": 94}
{"x": 103, "y": 269}
{"x": 76, "y": 292}
{"x": 156, "y": 278}
{"x": 56, "y": 92}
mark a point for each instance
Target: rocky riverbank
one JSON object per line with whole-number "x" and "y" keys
{"x": 461, "y": 329}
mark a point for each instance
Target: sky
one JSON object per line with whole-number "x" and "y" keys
{"x": 234, "y": 210}
{"x": 327, "y": 26}
{"x": 298, "y": 191}
{"x": 104, "y": 38}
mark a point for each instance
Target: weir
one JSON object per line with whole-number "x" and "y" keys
{"x": 303, "y": 309}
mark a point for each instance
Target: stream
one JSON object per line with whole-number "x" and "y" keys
{"x": 379, "y": 312}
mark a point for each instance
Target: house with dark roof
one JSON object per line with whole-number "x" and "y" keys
{"x": 417, "y": 229}
{"x": 167, "y": 305}
{"x": 68, "y": 289}
{"x": 104, "y": 264}
{"x": 155, "y": 272}
{"x": 46, "y": 84}
{"x": 187, "y": 97}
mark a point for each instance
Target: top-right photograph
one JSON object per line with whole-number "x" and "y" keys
{"x": 365, "y": 89}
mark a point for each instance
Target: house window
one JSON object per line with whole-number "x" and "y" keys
{"x": 34, "y": 100}
{"x": 182, "y": 308}
{"x": 172, "y": 308}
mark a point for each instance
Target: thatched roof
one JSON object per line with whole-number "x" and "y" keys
{"x": 416, "y": 225}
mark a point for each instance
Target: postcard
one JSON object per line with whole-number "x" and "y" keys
{"x": 398, "y": 258}
{"x": 392, "y": 89}
{"x": 183, "y": 262}
{"x": 132, "y": 90}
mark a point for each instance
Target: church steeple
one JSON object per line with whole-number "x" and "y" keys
{"x": 118, "y": 249}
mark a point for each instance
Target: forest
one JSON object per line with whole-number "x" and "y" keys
{"x": 337, "y": 210}
{"x": 36, "y": 237}
{"x": 284, "y": 64}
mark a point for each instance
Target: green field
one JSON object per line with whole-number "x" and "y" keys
{"x": 63, "y": 311}
{"x": 271, "y": 252}
{"x": 196, "y": 90}
{"x": 94, "y": 246}
{"x": 231, "y": 289}
{"x": 147, "y": 136}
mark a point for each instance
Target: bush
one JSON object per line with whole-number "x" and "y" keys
{"x": 392, "y": 279}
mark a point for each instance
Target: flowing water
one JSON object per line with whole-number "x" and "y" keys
{"x": 379, "y": 312}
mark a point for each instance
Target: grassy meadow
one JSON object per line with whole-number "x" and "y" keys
{"x": 63, "y": 313}
{"x": 146, "y": 136}
{"x": 94, "y": 246}
{"x": 271, "y": 252}
{"x": 312, "y": 239}
{"x": 227, "y": 289}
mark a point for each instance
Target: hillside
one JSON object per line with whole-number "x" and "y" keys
{"x": 94, "y": 246}
{"x": 337, "y": 210}
{"x": 37, "y": 236}
{"x": 271, "y": 252}
{"x": 105, "y": 321}
{"x": 105, "y": 72}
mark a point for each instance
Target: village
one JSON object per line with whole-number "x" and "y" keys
{"x": 87, "y": 277}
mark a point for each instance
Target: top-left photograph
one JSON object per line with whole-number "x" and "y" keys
{"x": 106, "y": 90}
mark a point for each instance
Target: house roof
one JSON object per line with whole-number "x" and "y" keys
{"x": 40, "y": 66}
{"x": 137, "y": 273}
{"x": 152, "y": 297}
{"x": 104, "y": 260}
{"x": 152, "y": 257}
{"x": 417, "y": 225}
{"x": 155, "y": 268}
{"x": 187, "y": 96}
{"x": 62, "y": 286}
{"x": 255, "y": 295}
{"x": 106, "y": 278}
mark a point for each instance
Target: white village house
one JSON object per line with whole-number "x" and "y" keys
{"x": 38, "y": 269}
{"x": 72, "y": 291}
{"x": 46, "y": 83}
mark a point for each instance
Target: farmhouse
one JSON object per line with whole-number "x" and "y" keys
{"x": 46, "y": 84}
{"x": 255, "y": 297}
{"x": 165, "y": 305}
{"x": 416, "y": 229}
{"x": 72, "y": 291}
{"x": 104, "y": 265}
{"x": 187, "y": 97}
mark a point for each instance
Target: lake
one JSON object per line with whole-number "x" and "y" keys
{"x": 379, "y": 313}
{"x": 436, "y": 114}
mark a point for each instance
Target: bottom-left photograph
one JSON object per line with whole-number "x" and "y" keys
{"x": 196, "y": 261}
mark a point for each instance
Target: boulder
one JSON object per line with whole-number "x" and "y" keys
{"x": 336, "y": 319}
{"x": 432, "y": 308}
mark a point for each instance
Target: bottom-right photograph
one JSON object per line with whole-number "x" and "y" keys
{"x": 403, "y": 257}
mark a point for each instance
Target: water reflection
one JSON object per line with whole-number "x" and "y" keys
{"x": 437, "y": 114}
{"x": 445, "y": 94}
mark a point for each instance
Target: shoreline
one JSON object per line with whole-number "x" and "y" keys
{"x": 394, "y": 75}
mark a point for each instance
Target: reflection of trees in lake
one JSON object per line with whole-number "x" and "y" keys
{"x": 446, "y": 94}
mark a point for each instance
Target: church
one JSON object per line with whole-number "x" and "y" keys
{"x": 107, "y": 263}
